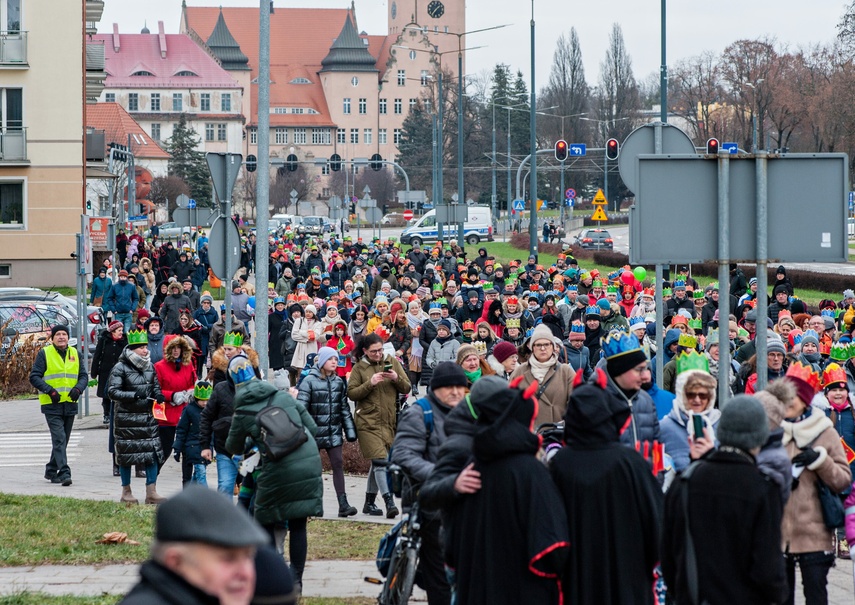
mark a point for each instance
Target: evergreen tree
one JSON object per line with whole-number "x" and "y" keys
{"x": 415, "y": 151}
{"x": 188, "y": 163}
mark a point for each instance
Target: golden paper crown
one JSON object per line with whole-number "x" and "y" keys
{"x": 688, "y": 341}
{"x": 833, "y": 374}
{"x": 806, "y": 373}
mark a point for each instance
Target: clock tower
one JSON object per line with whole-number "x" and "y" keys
{"x": 435, "y": 17}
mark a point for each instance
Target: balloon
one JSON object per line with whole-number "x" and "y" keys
{"x": 640, "y": 273}
{"x": 627, "y": 278}
{"x": 251, "y": 301}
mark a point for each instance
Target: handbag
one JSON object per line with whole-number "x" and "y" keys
{"x": 830, "y": 503}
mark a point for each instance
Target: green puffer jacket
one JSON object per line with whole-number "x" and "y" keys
{"x": 290, "y": 488}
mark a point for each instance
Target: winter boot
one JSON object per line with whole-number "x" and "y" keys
{"x": 151, "y": 495}
{"x": 370, "y": 508}
{"x": 127, "y": 496}
{"x": 391, "y": 509}
{"x": 345, "y": 509}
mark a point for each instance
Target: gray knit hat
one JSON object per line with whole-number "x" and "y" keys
{"x": 775, "y": 345}
{"x": 743, "y": 423}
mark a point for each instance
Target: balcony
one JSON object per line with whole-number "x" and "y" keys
{"x": 95, "y": 73}
{"x": 94, "y": 10}
{"x": 96, "y": 146}
{"x": 13, "y": 145}
{"x": 13, "y": 49}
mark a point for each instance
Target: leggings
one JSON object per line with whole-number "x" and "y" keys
{"x": 337, "y": 464}
{"x": 377, "y": 479}
{"x": 297, "y": 545}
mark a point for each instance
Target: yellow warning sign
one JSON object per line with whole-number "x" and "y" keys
{"x": 599, "y": 199}
{"x": 599, "y": 215}
{"x": 539, "y": 204}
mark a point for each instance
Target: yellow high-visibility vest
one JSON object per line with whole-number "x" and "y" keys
{"x": 61, "y": 375}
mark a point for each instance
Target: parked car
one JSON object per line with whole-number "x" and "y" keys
{"x": 30, "y": 321}
{"x": 595, "y": 239}
{"x": 395, "y": 219}
{"x": 170, "y": 230}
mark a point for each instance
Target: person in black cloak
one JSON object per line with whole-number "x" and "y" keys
{"x": 613, "y": 502}
{"x": 507, "y": 542}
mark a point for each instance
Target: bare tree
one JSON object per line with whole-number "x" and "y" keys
{"x": 246, "y": 193}
{"x": 165, "y": 190}
{"x": 616, "y": 98}
{"x": 696, "y": 94}
{"x": 286, "y": 181}
{"x": 381, "y": 182}
{"x": 567, "y": 89}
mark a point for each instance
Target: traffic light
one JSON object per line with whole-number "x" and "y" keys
{"x": 385, "y": 209}
{"x": 712, "y": 146}
{"x": 561, "y": 150}
{"x": 120, "y": 152}
{"x": 353, "y": 207}
{"x": 335, "y": 162}
{"x": 251, "y": 163}
{"x": 89, "y": 204}
{"x": 376, "y": 162}
{"x": 612, "y": 149}
{"x": 291, "y": 162}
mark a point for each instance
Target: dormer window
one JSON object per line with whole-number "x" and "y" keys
{"x": 142, "y": 72}
{"x": 301, "y": 81}
{"x": 186, "y": 74}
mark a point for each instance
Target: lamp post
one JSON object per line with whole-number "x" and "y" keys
{"x": 532, "y": 225}
{"x": 753, "y": 86}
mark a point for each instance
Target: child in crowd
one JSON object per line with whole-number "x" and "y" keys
{"x": 187, "y": 442}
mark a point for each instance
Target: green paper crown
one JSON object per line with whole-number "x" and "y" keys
{"x": 697, "y": 294}
{"x": 233, "y": 339}
{"x": 137, "y": 337}
{"x": 840, "y": 352}
{"x": 611, "y": 290}
{"x": 596, "y": 284}
{"x": 688, "y": 341}
{"x": 487, "y": 285}
{"x": 667, "y": 292}
{"x": 742, "y": 332}
{"x": 696, "y": 324}
{"x": 203, "y": 390}
{"x": 692, "y": 360}
{"x": 437, "y": 287}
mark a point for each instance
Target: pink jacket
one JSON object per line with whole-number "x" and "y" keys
{"x": 850, "y": 516}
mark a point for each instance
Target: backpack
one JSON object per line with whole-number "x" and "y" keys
{"x": 387, "y": 547}
{"x": 395, "y": 483}
{"x": 279, "y": 435}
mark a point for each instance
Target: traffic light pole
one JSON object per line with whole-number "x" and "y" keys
{"x": 262, "y": 209}
{"x": 561, "y": 196}
{"x": 532, "y": 225}
{"x": 461, "y": 199}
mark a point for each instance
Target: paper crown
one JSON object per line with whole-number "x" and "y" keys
{"x": 696, "y": 324}
{"x": 679, "y": 319}
{"x": 240, "y": 370}
{"x": 577, "y": 328}
{"x": 597, "y": 284}
{"x": 572, "y": 288}
{"x": 534, "y": 288}
{"x": 805, "y": 373}
{"x": 437, "y": 287}
{"x": 827, "y": 313}
{"x": 512, "y": 323}
{"x": 595, "y": 273}
{"x": 480, "y": 347}
{"x": 698, "y": 294}
{"x": 137, "y": 337}
{"x": 679, "y": 285}
{"x": 592, "y": 310}
{"x": 688, "y": 341}
{"x": 667, "y": 292}
{"x": 692, "y": 360}
{"x": 512, "y": 300}
{"x": 442, "y": 301}
{"x": 203, "y": 390}
{"x": 618, "y": 343}
{"x": 468, "y": 325}
{"x": 637, "y": 321}
{"x": 382, "y": 332}
{"x": 648, "y": 292}
{"x": 487, "y": 285}
{"x": 612, "y": 290}
{"x": 435, "y": 305}
{"x": 840, "y": 352}
{"x": 833, "y": 374}
{"x": 233, "y": 339}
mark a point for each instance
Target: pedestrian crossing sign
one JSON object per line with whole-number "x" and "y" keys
{"x": 599, "y": 199}
{"x": 599, "y": 215}
{"x": 519, "y": 205}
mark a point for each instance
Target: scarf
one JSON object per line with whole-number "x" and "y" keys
{"x": 357, "y": 327}
{"x": 473, "y": 376}
{"x": 539, "y": 369}
{"x": 139, "y": 362}
{"x": 805, "y": 415}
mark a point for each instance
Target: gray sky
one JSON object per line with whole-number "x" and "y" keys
{"x": 693, "y": 27}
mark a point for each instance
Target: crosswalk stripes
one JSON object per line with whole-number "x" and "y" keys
{"x": 33, "y": 449}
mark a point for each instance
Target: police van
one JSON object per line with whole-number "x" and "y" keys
{"x": 477, "y": 228}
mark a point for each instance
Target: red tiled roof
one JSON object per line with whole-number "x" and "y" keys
{"x": 142, "y": 52}
{"x": 117, "y": 124}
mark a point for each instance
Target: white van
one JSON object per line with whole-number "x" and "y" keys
{"x": 477, "y": 228}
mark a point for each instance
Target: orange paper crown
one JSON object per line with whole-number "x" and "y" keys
{"x": 468, "y": 325}
{"x": 833, "y": 374}
{"x": 805, "y": 373}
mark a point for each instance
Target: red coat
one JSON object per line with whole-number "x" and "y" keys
{"x": 172, "y": 381}
{"x": 346, "y": 351}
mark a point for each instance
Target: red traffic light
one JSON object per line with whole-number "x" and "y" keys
{"x": 612, "y": 149}
{"x": 561, "y": 151}
{"x": 712, "y": 146}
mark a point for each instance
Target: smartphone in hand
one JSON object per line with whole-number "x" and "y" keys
{"x": 698, "y": 426}
{"x": 387, "y": 367}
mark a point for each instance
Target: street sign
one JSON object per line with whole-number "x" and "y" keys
{"x": 519, "y": 205}
{"x": 451, "y": 214}
{"x": 182, "y": 200}
{"x": 191, "y": 204}
{"x": 578, "y": 149}
{"x": 305, "y": 208}
{"x": 138, "y": 218}
{"x": 366, "y": 202}
{"x": 373, "y": 215}
{"x": 539, "y": 205}
{"x": 336, "y": 214}
{"x": 86, "y": 261}
{"x": 334, "y": 202}
{"x": 570, "y": 194}
{"x": 642, "y": 140}
{"x": 98, "y": 232}
{"x": 217, "y": 252}
{"x": 197, "y": 217}
{"x": 600, "y": 199}
{"x": 599, "y": 215}
{"x": 408, "y": 214}
{"x": 731, "y": 148}
{"x": 224, "y": 169}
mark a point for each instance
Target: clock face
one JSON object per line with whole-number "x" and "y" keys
{"x": 394, "y": 10}
{"x": 436, "y": 9}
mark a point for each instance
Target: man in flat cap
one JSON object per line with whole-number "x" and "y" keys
{"x": 203, "y": 552}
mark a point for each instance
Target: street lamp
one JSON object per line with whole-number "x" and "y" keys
{"x": 754, "y": 86}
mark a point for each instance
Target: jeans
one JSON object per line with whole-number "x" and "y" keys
{"x": 227, "y": 471}
{"x": 814, "y": 567}
{"x": 126, "y": 320}
{"x": 60, "y": 433}
{"x": 200, "y": 475}
{"x": 150, "y": 474}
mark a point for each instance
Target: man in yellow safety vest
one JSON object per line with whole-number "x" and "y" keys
{"x": 60, "y": 379}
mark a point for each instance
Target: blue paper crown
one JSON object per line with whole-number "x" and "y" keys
{"x": 529, "y": 332}
{"x": 634, "y": 321}
{"x": 827, "y": 313}
{"x": 679, "y": 284}
{"x": 278, "y": 299}
{"x": 574, "y": 288}
{"x": 241, "y": 370}
{"x": 809, "y": 333}
{"x": 571, "y": 273}
{"x": 619, "y": 343}
{"x": 797, "y": 338}
{"x": 592, "y": 310}
{"x": 579, "y": 328}
{"x": 435, "y": 305}
{"x": 332, "y": 290}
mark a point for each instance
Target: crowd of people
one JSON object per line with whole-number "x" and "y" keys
{"x": 448, "y": 364}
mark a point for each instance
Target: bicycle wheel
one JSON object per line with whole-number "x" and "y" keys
{"x": 402, "y": 575}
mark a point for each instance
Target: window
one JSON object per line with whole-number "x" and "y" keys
{"x": 226, "y": 101}
{"x": 413, "y": 104}
{"x": 427, "y": 105}
{"x": 367, "y": 136}
{"x": 133, "y": 101}
{"x": 110, "y": 97}
{"x": 300, "y": 81}
{"x": 354, "y": 81}
{"x": 398, "y": 106}
{"x": 321, "y": 136}
{"x": 346, "y": 105}
{"x": 280, "y": 136}
{"x": 5, "y": 271}
{"x": 300, "y": 136}
{"x": 327, "y": 192}
{"x": 383, "y": 106}
{"x": 397, "y": 136}
{"x": 12, "y": 204}
{"x": 412, "y": 55}
{"x": 381, "y": 136}
{"x": 142, "y": 72}
{"x": 155, "y": 101}
{"x": 425, "y": 77}
{"x": 341, "y": 136}
{"x": 221, "y": 132}
{"x": 155, "y": 131}
{"x": 325, "y": 169}
{"x": 446, "y": 29}
{"x": 209, "y": 132}
{"x": 205, "y": 101}
{"x": 253, "y": 136}
{"x": 186, "y": 74}
{"x": 354, "y": 136}
{"x": 177, "y": 102}
{"x": 402, "y": 77}
{"x": 363, "y": 106}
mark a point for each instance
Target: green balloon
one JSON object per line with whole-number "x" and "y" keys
{"x": 640, "y": 273}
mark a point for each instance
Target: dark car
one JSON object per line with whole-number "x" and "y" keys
{"x": 314, "y": 225}
{"x": 595, "y": 239}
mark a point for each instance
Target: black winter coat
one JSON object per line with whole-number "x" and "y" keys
{"x": 216, "y": 417}
{"x": 187, "y": 434}
{"x": 401, "y": 338}
{"x": 135, "y": 430}
{"x": 426, "y": 336}
{"x": 289, "y": 345}
{"x": 107, "y": 353}
{"x": 159, "y": 586}
{"x": 274, "y": 340}
{"x": 326, "y": 401}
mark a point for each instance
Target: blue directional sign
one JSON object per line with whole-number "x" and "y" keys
{"x": 731, "y": 148}
{"x": 134, "y": 219}
{"x": 191, "y": 204}
{"x": 578, "y": 149}
{"x": 519, "y": 205}
{"x": 570, "y": 194}
{"x": 852, "y": 197}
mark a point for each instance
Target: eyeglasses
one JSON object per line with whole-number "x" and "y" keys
{"x": 374, "y": 351}
{"x": 698, "y": 395}
{"x": 543, "y": 345}
{"x": 641, "y": 369}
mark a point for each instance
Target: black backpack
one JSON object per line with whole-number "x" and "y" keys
{"x": 278, "y": 434}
